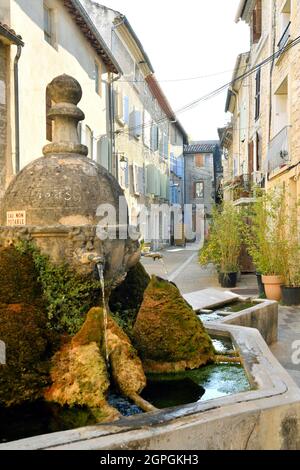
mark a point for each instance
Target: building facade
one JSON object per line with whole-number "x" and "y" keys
{"x": 58, "y": 38}
{"x": 270, "y": 152}
{"x": 203, "y": 175}
{"x": 148, "y": 139}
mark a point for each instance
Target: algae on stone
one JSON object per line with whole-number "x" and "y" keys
{"x": 28, "y": 349}
{"x": 126, "y": 366}
{"x": 168, "y": 334}
{"x": 79, "y": 374}
{"x": 18, "y": 278}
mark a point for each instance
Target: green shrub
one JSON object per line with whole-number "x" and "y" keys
{"x": 223, "y": 246}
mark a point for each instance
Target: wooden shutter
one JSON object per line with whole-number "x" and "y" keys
{"x": 258, "y": 152}
{"x": 199, "y": 161}
{"x": 257, "y": 22}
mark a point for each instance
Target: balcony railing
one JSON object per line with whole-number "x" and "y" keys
{"x": 278, "y": 155}
{"x": 285, "y": 37}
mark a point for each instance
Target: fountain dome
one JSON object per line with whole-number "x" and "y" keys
{"x": 54, "y": 199}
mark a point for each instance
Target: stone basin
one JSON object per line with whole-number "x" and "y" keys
{"x": 262, "y": 315}
{"x": 267, "y": 417}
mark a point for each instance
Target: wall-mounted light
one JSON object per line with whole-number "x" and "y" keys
{"x": 123, "y": 161}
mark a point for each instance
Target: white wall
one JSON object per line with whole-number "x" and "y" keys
{"x": 40, "y": 63}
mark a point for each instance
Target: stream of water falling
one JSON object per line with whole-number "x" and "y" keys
{"x": 105, "y": 313}
{"x": 164, "y": 267}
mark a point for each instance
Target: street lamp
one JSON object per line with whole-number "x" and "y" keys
{"x": 123, "y": 162}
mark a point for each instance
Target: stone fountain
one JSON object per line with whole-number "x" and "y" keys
{"x": 54, "y": 200}
{"x": 48, "y": 218}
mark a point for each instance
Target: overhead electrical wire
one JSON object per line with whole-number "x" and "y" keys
{"x": 217, "y": 91}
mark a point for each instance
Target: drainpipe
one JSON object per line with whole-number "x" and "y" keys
{"x": 17, "y": 115}
{"x": 112, "y": 121}
{"x": 112, "y": 107}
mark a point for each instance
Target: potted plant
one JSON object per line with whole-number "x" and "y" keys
{"x": 223, "y": 245}
{"x": 266, "y": 242}
{"x": 291, "y": 285}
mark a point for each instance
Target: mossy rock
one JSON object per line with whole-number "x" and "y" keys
{"x": 127, "y": 298}
{"x": 28, "y": 348}
{"x": 78, "y": 371}
{"x": 126, "y": 367}
{"x": 168, "y": 334}
{"x": 18, "y": 278}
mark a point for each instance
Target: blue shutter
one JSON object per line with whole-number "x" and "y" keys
{"x": 126, "y": 109}
{"x": 137, "y": 124}
{"x": 180, "y": 167}
{"x": 166, "y": 146}
{"x": 127, "y": 175}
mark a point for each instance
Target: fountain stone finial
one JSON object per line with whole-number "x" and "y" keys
{"x": 65, "y": 92}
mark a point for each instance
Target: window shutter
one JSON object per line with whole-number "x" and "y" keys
{"x": 103, "y": 152}
{"x": 199, "y": 161}
{"x": 137, "y": 132}
{"x": 160, "y": 143}
{"x": 257, "y": 22}
{"x": 250, "y": 157}
{"x": 257, "y": 94}
{"x": 141, "y": 180}
{"x": 126, "y": 109}
{"x": 147, "y": 129}
{"x": 166, "y": 146}
{"x": 132, "y": 124}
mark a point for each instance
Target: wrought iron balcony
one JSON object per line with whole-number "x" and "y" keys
{"x": 285, "y": 37}
{"x": 278, "y": 155}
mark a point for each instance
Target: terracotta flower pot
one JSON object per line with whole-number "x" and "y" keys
{"x": 273, "y": 287}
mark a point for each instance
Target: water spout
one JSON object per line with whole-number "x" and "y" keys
{"x": 100, "y": 268}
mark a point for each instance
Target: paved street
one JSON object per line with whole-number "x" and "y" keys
{"x": 181, "y": 266}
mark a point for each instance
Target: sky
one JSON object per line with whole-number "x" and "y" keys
{"x": 186, "y": 39}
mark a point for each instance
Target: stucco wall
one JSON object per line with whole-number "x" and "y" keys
{"x": 194, "y": 174}
{"x": 40, "y": 63}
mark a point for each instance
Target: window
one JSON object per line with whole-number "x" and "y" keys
{"x": 257, "y": 21}
{"x": 49, "y": 122}
{"x": 98, "y": 80}
{"x": 199, "y": 190}
{"x": 199, "y": 161}
{"x": 280, "y": 107}
{"x": 257, "y": 93}
{"x": 285, "y": 24}
{"x": 49, "y": 25}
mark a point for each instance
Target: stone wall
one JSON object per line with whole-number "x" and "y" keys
{"x": 3, "y": 117}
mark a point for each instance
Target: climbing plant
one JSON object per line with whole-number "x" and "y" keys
{"x": 68, "y": 296}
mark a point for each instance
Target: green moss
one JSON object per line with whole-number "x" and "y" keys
{"x": 68, "y": 296}
{"x": 19, "y": 278}
{"x": 167, "y": 329}
{"x": 28, "y": 349}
